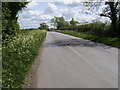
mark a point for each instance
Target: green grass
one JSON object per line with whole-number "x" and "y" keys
{"x": 18, "y": 56}
{"x": 115, "y": 42}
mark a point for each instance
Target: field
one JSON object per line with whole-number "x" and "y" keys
{"x": 18, "y": 54}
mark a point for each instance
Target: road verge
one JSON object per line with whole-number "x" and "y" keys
{"x": 115, "y": 42}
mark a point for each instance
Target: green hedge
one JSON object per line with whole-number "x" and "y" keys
{"x": 18, "y": 55}
{"x": 93, "y": 28}
{"x": 100, "y": 29}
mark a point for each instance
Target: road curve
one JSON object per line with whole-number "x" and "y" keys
{"x": 70, "y": 62}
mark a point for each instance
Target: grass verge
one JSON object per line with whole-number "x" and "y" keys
{"x": 18, "y": 56}
{"x": 115, "y": 42}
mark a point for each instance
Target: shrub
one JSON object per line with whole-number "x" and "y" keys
{"x": 18, "y": 55}
{"x": 92, "y": 28}
{"x": 12, "y": 28}
{"x": 107, "y": 30}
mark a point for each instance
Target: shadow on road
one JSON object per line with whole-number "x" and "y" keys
{"x": 74, "y": 43}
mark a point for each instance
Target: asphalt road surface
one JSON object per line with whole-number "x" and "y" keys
{"x": 70, "y": 62}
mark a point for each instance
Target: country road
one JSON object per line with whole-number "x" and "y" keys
{"x": 70, "y": 62}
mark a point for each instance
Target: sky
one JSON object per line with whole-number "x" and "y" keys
{"x": 43, "y": 11}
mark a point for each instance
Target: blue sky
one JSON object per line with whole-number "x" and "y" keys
{"x": 43, "y": 11}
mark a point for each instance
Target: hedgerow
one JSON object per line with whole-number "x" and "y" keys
{"x": 18, "y": 55}
{"x": 99, "y": 28}
{"x": 92, "y": 28}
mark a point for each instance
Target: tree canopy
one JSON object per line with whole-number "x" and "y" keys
{"x": 60, "y": 22}
{"x": 10, "y": 15}
{"x": 43, "y": 25}
{"x": 73, "y": 22}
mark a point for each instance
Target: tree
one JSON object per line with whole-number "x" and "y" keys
{"x": 58, "y": 22}
{"x": 66, "y": 23}
{"x": 111, "y": 11}
{"x": 73, "y": 22}
{"x": 9, "y": 16}
{"x": 54, "y": 22}
{"x": 43, "y": 26}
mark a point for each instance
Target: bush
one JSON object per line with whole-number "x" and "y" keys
{"x": 100, "y": 29}
{"x": 11, "y": 29}
{"x": 18, "y": 55}
{"x": 107, "y": 30}
{"x": 92, "y": 28}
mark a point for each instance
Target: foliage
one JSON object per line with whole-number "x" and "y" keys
{"x": 111, "y": 12}
{"x": 92, "y": 28}
{"x": 18, "y": 55}
{"x": 58, "y": 22}
{"x": 9, "y": 17}
{"x": 14, "y": 28}
{"x": 30, "y": 29}
{"x": 115, "y": 42}
{"x": 73, "y": 22}
{"x": 43, "y": 26}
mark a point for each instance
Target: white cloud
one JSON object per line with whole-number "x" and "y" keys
{"x": 51, "y": 8}
{"x": 105, "y": 19}
{"x": 70, "y": 3}
{"x": 45, "y": 17}
{"x": 35, "y": 12}
{"x": 32, "y": 18}
{"x": 32, "y": 4}
{"x": 30, "y": 13}
{"x": 68, "y": 13}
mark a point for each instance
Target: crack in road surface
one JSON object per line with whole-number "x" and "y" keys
{"x": 70, "y": 62}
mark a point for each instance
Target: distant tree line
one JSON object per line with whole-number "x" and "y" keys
{"x": 43, "y": 26}
{"x": 60, "y": 22}
{"x": 30, "y": 29}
